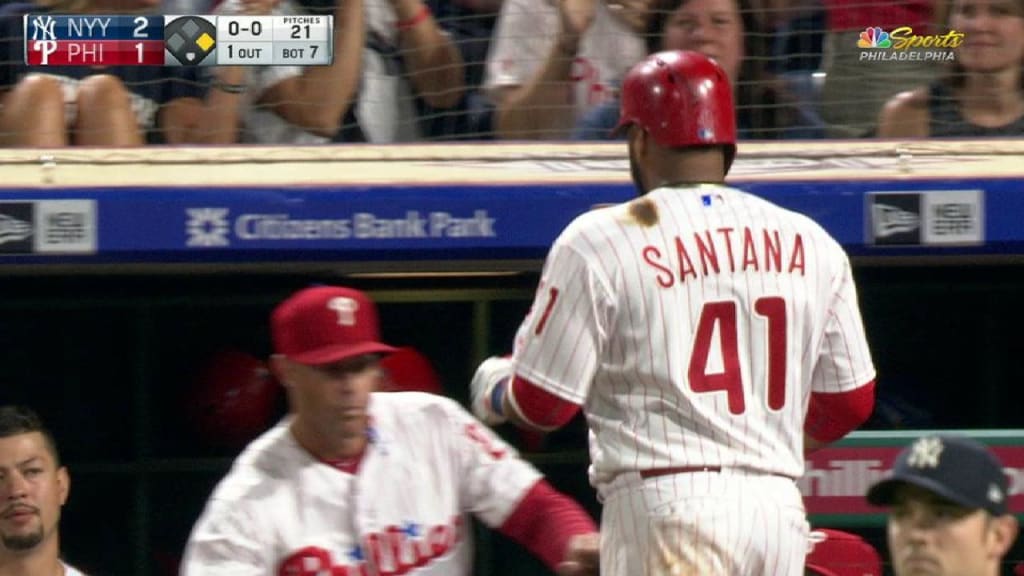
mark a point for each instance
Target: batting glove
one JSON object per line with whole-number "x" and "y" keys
{"x": 488, "y": 387}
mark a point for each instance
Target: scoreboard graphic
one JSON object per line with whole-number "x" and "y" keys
{"x": 108, "y": 40}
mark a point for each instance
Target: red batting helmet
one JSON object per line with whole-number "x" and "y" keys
{"x": 681, "y": 98}
{"x": 232, "y": 399}
{"x": 838, "y": 553}
{"x": 409, "y": 370}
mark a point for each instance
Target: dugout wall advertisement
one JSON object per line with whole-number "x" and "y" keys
{"x": 838, "y": 477}
{"x": 486, "y": 203}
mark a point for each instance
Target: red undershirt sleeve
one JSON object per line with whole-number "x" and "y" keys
{"x": 545, "y": 521}
{"x": 539, "y": 407}
{"x": 831, "y": 416}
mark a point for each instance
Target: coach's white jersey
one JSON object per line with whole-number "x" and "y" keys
{"x": 282, "y": 512}
{"x": 72, "y": 571}
{"x": 692, "y": 324}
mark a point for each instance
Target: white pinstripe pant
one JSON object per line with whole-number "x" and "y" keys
{"x": 703, "y": 524}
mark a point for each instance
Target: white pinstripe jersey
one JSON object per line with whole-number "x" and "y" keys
{"x": 692, "y": 324}
{"x": 282, "y": 512}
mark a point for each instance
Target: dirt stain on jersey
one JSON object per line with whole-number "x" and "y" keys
{"x": 644, "y": 211}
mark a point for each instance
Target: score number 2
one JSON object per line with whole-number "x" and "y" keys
{"x": 723, "y": 316}
{"x": 141, "y": 23}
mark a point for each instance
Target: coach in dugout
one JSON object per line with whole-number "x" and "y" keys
{"x": 359, "y": 482}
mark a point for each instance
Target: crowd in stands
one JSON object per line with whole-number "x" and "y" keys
{"x": 425, "y": 70}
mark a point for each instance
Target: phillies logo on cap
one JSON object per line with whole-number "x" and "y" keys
{"x": 346, "y": 309}
{"x": 327, "y": 324}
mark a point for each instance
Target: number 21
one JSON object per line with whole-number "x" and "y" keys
{"x": 723, "y": 315}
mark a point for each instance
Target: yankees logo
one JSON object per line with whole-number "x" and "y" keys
{"x": 346, "y": 309}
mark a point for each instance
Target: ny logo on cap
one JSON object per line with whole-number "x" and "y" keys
{"x": 346, "y": 309}
{"x": 925, "y": 453}
{"x": 995, "y": 494}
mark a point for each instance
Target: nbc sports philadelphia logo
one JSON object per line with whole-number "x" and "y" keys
{"x": 902, "y": 44}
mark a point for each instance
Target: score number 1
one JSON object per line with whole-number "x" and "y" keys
{"x": 141, "y": 22}
{"x": 147, "y": 33}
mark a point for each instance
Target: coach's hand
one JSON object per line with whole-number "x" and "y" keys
{"x": 491, "y": 374}
{"x": 583, "y": 557}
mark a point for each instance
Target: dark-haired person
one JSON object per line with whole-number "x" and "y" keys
{"x": 33, "y": 488}
{"x": 728, "y": 31}
{"x": 948, "y": 515}
{"x": 983, "y": 92}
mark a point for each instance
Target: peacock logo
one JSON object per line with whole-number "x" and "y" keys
{"x": 874, "y": 37}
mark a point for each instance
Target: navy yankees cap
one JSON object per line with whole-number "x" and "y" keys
{"x": 959, "y": 469}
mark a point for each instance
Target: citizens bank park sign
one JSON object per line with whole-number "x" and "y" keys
{"x": 837, "y": 477}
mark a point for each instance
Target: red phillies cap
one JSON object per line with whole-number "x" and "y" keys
{"x": 838, "y": 553}
{"x": 326, "y": 324}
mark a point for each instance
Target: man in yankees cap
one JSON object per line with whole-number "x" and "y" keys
{"x": 359, "y": 482}
{"x": 948, "y": 515}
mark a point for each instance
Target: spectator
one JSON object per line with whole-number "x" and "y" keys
{"x": 385, "y": 53}
{"x": 551, "y": 62}
{"x": 34, "y": 486}
{"x": 983, "y": 92}
{"x": 796, "y": 37}
{"x": 855, "y": 90}
{"x": 471, "y": 24}
{"x": 726, "y": 30}
{"x": 111, "y": 106}
{"x": 947, "y": 499}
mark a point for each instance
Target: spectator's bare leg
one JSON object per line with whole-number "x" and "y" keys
{"x": 33, "y": 114}
{"x": 105, "y": 116}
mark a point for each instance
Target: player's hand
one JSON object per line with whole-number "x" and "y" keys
{"x": 583, "y": 556}
{"x": 575, "y": 16}
{"x": 489, "y": 374}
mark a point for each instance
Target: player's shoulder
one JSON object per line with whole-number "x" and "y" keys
{"x": 599, "y": 218}
{"x": 265, "y": 461}
{"x": 796, "y": 220}
{"x": 408, "y": 406}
